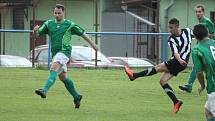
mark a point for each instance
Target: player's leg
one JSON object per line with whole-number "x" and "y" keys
{"x": 209, "y": 115}
{"x": 169, "y": 91}
{"x": 52, "y": 76}
{"x": 148, "y": 72}
{"x": 189, "y": 85}
{"x": 192, "y": 77}
{"x": 57, "y": 63}
{"x": 71, "y": 89}
{"x": 210, "y": 107}
{"x": 70, "y": 86}
{"x": 50, "y": 81}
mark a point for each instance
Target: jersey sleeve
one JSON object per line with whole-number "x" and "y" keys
{"x": 77, "y": 30}
{"x": 190, "y": 32}
{"x": 210, "y": 27}
{"x": 197, "y": 61}
{"x": 43, "y": 29}
{"x": 173, "y": 46}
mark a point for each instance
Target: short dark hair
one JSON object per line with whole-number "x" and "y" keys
{"x": 60, "y": 6}
{"x": 200, "y": 31}
{"x": 201, "y": 6}
{"x": 174, "y": 21}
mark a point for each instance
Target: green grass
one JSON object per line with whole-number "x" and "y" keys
{"x": 107, "y": 96}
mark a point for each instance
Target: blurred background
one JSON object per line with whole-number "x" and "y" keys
{"x": 149, "y": 17}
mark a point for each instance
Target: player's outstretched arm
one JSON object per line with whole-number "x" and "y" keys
{"x": 87, "y": 38}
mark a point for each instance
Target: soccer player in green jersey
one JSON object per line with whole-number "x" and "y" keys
{"x": 60, "y": 31}
{"x": 203, "y": 55}
{"x": 210, "y": 26}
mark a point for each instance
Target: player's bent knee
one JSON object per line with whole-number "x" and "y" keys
{"x": 162, "y": 82}
{"x": 208, "y": 114}
{"x": 62, "y": 78}
{"x": 55, "y": 66}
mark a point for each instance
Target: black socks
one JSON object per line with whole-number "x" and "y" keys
{"x": 147, "y": 72}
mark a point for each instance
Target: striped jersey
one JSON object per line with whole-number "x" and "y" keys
{"x": 181, "y": 44}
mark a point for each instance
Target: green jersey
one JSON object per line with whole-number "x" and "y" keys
{"x": 61, "y": 35}
{"x": 203, "y": 55}
{"x": 208, "y": 24}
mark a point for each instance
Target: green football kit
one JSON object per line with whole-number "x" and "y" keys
{"x": 60, "y": 35}
{"x": 61, "y": 40}
{"x": 203, "y": 55}
{"x": 210, "y": 26}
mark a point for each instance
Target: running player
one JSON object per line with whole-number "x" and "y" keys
{"x": 60, "y": 31}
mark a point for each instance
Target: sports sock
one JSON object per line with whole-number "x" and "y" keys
{"x": 192, "y": 78}
{"x": 169, "y": 91}
{"x": 70, "y": 87}
{"x": 147, "y": 72}
{"x": 50, "y": 81}
{"x": 211, "y": 119}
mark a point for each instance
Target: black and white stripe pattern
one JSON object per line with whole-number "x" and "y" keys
{"x": 181, "y": 44}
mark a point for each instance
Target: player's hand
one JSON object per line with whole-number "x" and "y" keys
{"x": 200, "y": 89}
{"x": 182, "y": 62}
{"x": 36, "y": 28}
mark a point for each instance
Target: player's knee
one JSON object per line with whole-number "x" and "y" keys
{"x": 55, "y": 66}
{"x": 53, "y": 69}
{"x": 62, "y": 78}
{"x": 158, "y": 68}
{"x": 208, "y": 114}
{"x": 162, "y": 82}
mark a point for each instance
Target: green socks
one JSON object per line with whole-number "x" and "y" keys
{"x": 70, "y": 87}
{"x": 51, "y": 79}
{"x": 68, "y": 84}
{"x": 192, "y": 78}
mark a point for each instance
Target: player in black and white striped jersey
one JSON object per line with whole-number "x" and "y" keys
{"x": 180, "y": 44}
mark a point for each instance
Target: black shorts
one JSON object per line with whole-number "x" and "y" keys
{"x": 174, "y": 66}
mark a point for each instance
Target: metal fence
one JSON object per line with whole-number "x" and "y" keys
{"x": 163, "y": 48}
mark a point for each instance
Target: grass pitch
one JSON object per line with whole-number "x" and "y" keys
{"x": 107, "y": 96}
